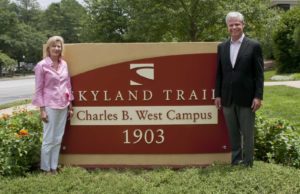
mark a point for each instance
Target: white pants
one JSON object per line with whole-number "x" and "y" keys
{"x": 53, "y": 132}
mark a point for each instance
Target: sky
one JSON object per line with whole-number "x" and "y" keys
{"x": 45, "y": 3}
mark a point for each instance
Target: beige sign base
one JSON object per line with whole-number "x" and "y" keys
{"x": 143, "y": 160}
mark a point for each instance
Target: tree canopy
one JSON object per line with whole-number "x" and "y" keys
{"x": 24, "y": 26}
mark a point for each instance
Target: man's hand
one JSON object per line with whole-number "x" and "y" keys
{"x": 218, "y": 103}
{"x": 256, "y": 104}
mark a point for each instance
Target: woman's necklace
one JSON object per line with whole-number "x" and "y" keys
{"x": 55, "y": 65}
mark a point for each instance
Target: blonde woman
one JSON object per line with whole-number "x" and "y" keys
{"x": 53, "y": 95}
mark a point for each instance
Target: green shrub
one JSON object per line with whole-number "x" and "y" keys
{"x": 286, "y": 42}
{"x": 7, "y": 63}
{"x": 277, "y": 141}
{"x": 20, "y": 142}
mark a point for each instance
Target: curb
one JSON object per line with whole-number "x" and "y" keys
{"x": 16, "y": 77}
{"x": 10, "y": 111}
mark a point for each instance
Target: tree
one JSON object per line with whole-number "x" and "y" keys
{"x": 53, "y": 19}
{"x": 145, "y": 21}
{"x": 193, "y": 20}
{"x": 286, "y": 42}
{"x": 8, "y": 19}
{"x": 18, "y": 39}
{"x": 29, "y": 12}
{"x": 107, "y": 20}
{"x": 296, "y": 38}
{"x": 164, "y": 20}
{"x": 73, "y": 20}
{"x": 65, "y": 19}
{"x": 23, "y": 40}
{"x": 7, "y": 63}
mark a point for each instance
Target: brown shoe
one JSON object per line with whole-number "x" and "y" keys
{"x": 53, "y": 171}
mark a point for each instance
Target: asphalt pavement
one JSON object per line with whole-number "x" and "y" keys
{"x": 16, "y": 88}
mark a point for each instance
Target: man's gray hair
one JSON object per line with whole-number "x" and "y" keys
{"x": 234, "y": 14}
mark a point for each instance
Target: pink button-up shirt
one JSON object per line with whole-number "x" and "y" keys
{"x": 52, "y": 88}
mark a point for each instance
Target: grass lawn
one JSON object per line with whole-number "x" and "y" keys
{"x": 219, "y": 179}
{"x": 15, "y": 103}
{"x": 282, "y": 102}
{"x": 269, "y": 74}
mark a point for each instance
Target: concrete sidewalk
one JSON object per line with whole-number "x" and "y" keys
{"x": 295, "y": 84}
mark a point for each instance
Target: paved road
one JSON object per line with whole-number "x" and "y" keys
{"x": 16, "y": 89}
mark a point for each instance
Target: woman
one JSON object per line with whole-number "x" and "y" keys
{"x": 53, "y": 95}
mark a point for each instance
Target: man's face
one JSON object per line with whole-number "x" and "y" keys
{"x": 235, "y": 28}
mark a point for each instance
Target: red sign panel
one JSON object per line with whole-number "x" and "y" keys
{"x": 161, "y": 105}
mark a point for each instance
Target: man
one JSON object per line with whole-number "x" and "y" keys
{"x": 239, "y": 87}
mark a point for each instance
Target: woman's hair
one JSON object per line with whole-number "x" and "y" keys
{"x": 51, "y": 41}
{"x": 234, "y": 14}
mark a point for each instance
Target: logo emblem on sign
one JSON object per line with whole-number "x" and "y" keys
{"x": 145, "y": 72}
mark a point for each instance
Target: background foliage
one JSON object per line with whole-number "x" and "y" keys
{"x": 286, "y": 42}
{"x": 24, "y": 26}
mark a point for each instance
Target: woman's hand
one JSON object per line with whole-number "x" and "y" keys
{"x": 70, "y": 112}
{"x": 43, "y": 115}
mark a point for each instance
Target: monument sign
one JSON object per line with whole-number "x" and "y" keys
{"x": 144, "y": 104}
